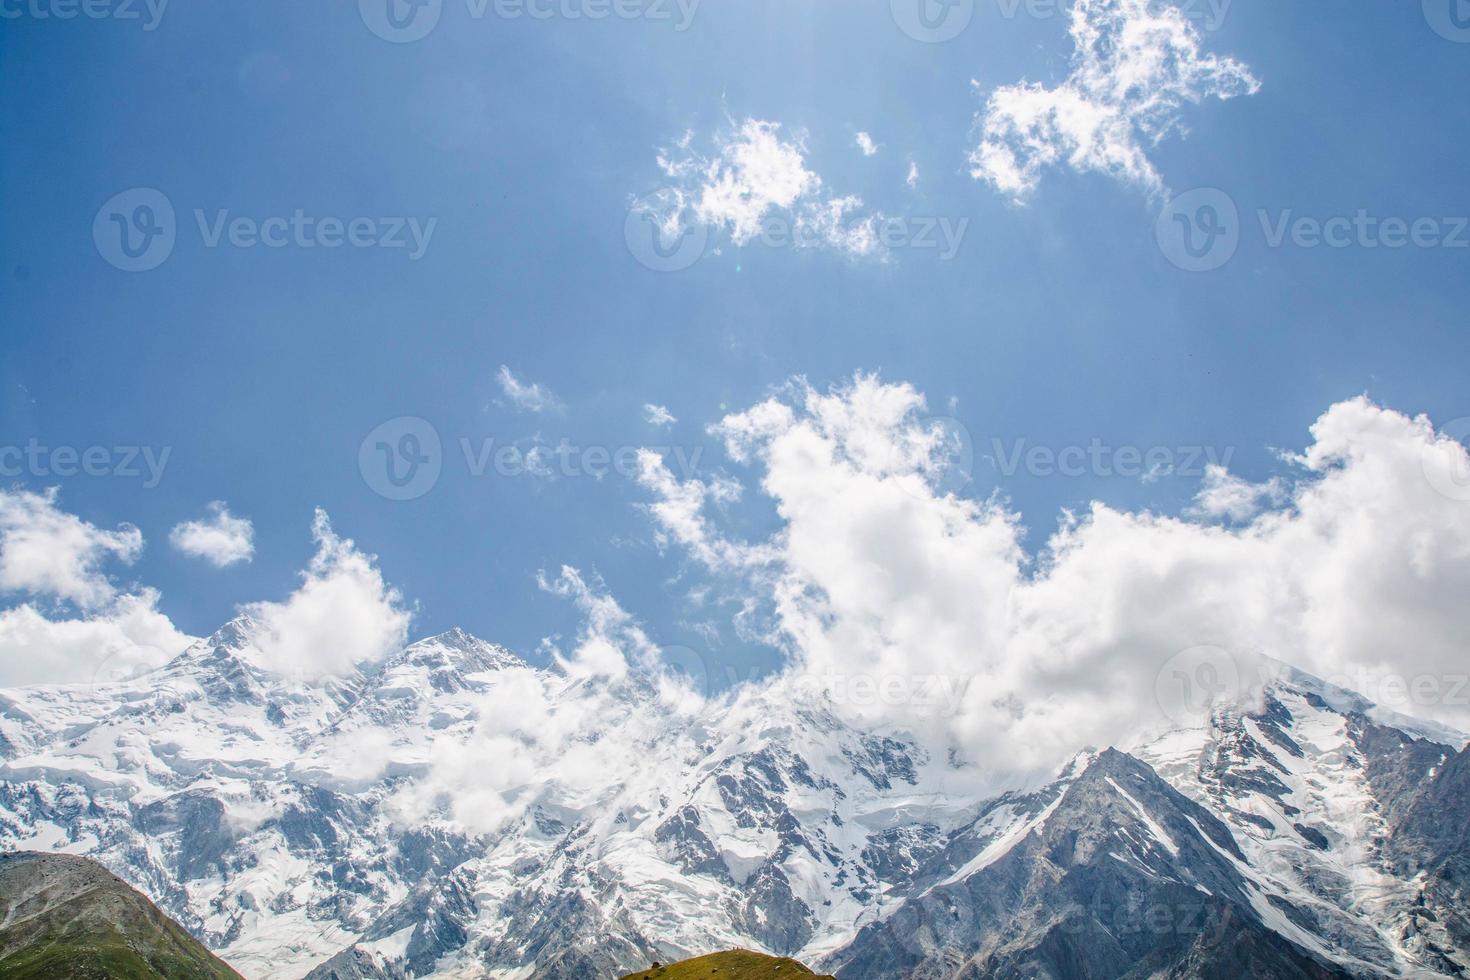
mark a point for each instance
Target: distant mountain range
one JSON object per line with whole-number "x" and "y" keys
{"x": 1290, "y": 837}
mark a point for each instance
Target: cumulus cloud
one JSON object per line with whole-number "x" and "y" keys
{"x": 344, "y": 614}
{"x": 1136, "y": 64}
{"x": 866, "y": 144}
{"x": 1355, "y": 571}
{"x": 658, "y": 415}
{"x": 47, "y": 552}
{"x": 755, "y": 180}
{"x": 584, "y": 737}
{"x": 76, "y": 625}
{"x": 128, "y": 637}
{"x": 526, "y": 396}
{"x": 220, "y": 539}
{"x": 913, "y": 178}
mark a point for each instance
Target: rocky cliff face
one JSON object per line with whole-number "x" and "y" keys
{"x": 1121, "y": 875}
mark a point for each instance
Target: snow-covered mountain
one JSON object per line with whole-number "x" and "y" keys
{"x": 304, "y": 828}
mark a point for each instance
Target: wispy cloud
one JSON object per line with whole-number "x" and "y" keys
{"x": 865, "y": 143}
{"x": 658, "y": 415}
{"x": 1223, "y": 494}
{"x": 1136, "y": 64}
{"x": 755, "y": 176}
{"x": 221, "y": 539}
{"x": 526, "y": 396}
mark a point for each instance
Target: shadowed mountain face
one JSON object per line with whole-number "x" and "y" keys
{"x": 1122, "y": 876}
{"x": 1292, "y": 836}
{"x": 65, "y": 917}
{"x": 1431, "y": 841}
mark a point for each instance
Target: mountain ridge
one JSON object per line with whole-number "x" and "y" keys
{"x": 264, "y": 813}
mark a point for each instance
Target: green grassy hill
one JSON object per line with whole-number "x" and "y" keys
{"x": 67, "y": 918}
{"x": 737, "y": 964}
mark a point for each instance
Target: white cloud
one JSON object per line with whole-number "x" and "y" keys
{"x": 755, "y": 178}
{"x": 913, "y": 178}
{"x": 1136, "y": 64}
{"x": 128, "y": 637}
{"x": 1222, "y": 494}
{"x": 600, "y": 728}
{"x": 526, "y": 396}
{"x": 866, "y": 145}
{"x": 221, "y": 539}
{"x": 1358, "y": 575}
{"x": 58, "y": 559}
{"x": 45, "y": 551}
{"x": 342, "y": 616}
{"x": 658, "y": 415}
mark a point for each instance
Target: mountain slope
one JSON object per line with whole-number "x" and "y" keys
{"x": 739, "y": 964}
{"x": 1321, "y": 799}
{"x": 67, "y": 917}
{"x": 1121, "y": 876}
{"x": 1431, "y": 843}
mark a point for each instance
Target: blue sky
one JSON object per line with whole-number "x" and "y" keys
{"x": 1059, "y": 321}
